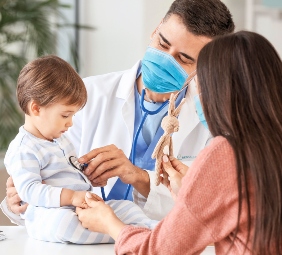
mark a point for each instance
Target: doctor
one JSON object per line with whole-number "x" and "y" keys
{"x": 106, "y": 126}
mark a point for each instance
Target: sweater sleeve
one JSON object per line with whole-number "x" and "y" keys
{"x": 201, "y": 213}
{"x": 24, "y": 167}
{"x": 174, "y": 235}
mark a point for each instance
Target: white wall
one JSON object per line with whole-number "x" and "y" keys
{"x": 122, "y": 30}
{"x": 236, "y": 8}
{"x": 270, "y": 26}
{"x": 261, "y": 16}
{"x": 66, "y": 34}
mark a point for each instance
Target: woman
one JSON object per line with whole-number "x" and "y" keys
{"x": 232, "y": 194}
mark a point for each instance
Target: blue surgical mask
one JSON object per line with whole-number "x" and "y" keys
{"x": 200, "y": 112}
{"x": 161, "y": 73}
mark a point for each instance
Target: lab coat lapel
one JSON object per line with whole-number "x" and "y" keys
{"x": 125, "y": 92}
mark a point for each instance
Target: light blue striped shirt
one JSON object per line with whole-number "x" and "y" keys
{"x": 31, "y": 160}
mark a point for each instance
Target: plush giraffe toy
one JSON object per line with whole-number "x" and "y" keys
{"x": 170, "y": 124}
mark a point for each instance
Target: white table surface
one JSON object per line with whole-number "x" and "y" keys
{"x": 18, "y": 242}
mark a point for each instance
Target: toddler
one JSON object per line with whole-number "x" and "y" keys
{"x": 50, "y": 92}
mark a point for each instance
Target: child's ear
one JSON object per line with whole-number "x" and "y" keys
{"x": 34, "y": 108}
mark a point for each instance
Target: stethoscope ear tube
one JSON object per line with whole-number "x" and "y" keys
{"x": 146, "y": 110}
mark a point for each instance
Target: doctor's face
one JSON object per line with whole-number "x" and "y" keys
{"x": 172, "y": 37}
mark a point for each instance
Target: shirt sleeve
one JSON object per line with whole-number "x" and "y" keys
{"x": 159, "y": 201}
{"x": 24, "y": 167}
{"x": 16, "y": 219}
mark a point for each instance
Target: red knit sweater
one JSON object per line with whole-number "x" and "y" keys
{"x": 205, "y": 211}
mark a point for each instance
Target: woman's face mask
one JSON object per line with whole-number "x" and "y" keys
{"x": 199, "y": 111}
{"x": 161, "y": 73}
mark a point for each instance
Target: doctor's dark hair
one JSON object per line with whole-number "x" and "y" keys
{"x": 240, "y": 80}
{"x": 208, "y": 18}
{"x": 48, "y": 80}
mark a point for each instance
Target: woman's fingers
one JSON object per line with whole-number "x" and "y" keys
{"x": 168, "y": 167}
{"x": 91, "y": 198}
{"x": 179, "y": 166}
{"x": 10, "y": 182}
{"x": 18, "y": 209}
{"x": 164, "y": 177}
{"x": 78, "y": 210}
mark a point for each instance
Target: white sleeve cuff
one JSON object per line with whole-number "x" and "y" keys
{"x": 53, "y": 199}
{"x": 16, "y": 219}
{"x": 159, "y": 201}
{"x": 139, "y": 199}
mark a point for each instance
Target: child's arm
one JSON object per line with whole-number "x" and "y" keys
{"x": 24, "y": 167}
{"x": 76, "y": 198}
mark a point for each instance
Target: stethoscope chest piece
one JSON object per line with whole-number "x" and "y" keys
{"x": 81, "y": 167}
{"x": 74, "y": 162}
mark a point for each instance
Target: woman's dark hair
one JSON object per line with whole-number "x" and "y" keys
{"x": 240, "y": 80}
{"x": 208, "y": 18}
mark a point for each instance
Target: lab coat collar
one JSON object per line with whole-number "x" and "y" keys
{"x": 125, "y": 92}
{"x": 127, "y": 81}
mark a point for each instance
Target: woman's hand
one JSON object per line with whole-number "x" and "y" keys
{"x": 99, "y": 217}
{"x": 78, "y": 199}
{"x": 12, "y": 198}
{"x": 176, "y": 170}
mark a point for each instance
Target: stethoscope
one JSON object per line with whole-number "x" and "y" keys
{"x": 81, "y": 167}
{"x": 74, "y": 162}
{"x": 147, "y": 112}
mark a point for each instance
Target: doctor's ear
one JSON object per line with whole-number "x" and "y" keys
{"x": 33, "y": 108}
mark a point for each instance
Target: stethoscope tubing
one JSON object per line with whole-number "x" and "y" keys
{"x": 147, "y": 112}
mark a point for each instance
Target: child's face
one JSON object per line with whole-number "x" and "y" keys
{"x": 54, "y": 120}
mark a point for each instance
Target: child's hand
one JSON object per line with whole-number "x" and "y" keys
{"x": 78, "y": 199}
{"x": 99, "y": 217}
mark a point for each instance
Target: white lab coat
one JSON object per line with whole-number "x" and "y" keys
{"x": 108, "y": 118}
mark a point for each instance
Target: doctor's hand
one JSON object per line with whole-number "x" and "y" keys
{"x": 99, "y": 217}
{"x": 176, "y": 171}
{"x": 109, "y": 161}
{"x": 12, "y": 198}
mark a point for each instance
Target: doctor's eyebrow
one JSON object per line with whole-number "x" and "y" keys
{"x": 182, "y": 53}
{"x": 164, "y": 39}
